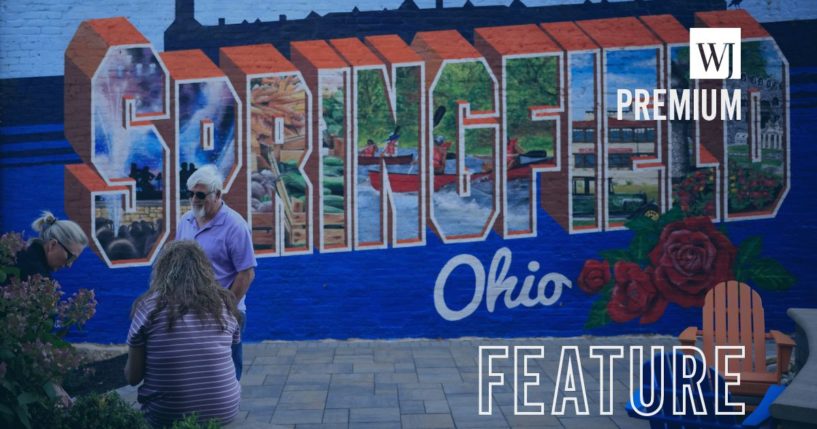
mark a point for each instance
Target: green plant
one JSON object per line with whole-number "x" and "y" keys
{"x": 192, "y": 422}
{"x": 33, "y": 354}
{"x": 103, "y": 411}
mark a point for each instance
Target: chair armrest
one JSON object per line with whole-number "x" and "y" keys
{"x": 761, "y": 415}
{"x": 689, "y": 336}
{"x": 784, "y": 346}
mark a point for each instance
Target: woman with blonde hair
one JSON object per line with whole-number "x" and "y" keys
{"x": 59, "y": 244}
{"x": 180, "y": 340}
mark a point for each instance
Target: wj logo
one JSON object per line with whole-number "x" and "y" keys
{"x": 714, "y": 53}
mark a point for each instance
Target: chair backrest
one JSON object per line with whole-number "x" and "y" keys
{"x": 733, "y": 315}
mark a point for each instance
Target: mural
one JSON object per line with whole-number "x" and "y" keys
{"x": 404, "y": 182}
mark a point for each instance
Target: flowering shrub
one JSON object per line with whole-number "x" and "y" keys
{"x": 672, "y": 259}
{"x": 752, "y": 189}
{"x": 695, "y": 194}
{"x": 33, "y": 355}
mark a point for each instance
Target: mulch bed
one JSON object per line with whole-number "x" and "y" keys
{"x": 96, "y": 377}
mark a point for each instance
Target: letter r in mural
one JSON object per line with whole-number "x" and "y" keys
{"x": 279, "y": 113}
{"x": 115, "y": 87}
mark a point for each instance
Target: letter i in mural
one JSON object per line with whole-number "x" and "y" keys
{"x": 529, "y": 65}
{"x": 463, "y": 104}
{"x": 582, "y": 211}
{"x": 115, "y": 87}
{"x": 693, "y": 168}
{"x": 634, "y": 166}
{"x": 205, "y": 127}
{"x": 387, "y": 125}
{"x": 327, "y": 77}
{"x": 756, "y": 148}
{"x": 278, "y": 107}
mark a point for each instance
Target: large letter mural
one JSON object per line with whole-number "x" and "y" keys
{"x": 279, "y": 113}
{"x": 361, "y": 144}
{"x": 327, "y": 77}
{"x": 528, "y": 64}
{"x": 115, "y": 87}
{"x": 634, "y": 169}
{"x": 463, "y": 102}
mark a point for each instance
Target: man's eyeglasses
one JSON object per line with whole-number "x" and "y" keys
{"x": 71, "y": 257}
{"x": 198, "y": 195}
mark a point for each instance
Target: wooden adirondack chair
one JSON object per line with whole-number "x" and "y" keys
{"x": 733, "y": 315}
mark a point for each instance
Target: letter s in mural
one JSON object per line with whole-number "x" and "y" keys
{"x": 115, "y": 88}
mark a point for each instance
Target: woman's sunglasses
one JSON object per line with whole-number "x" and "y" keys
{"x": 198, "y": 195}
{"x": 71, "y": 257}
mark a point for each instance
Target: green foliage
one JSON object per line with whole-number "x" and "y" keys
{"x": 748, "y": 251}
{"x": 753, "y": 61}
{"x": 374, "y": 113}
{"x": 333, "y": 113}
{"x": 33, "y": 354}
{"x": 598, "y": 312}
{"x": 764, "y": 273}
{"x": 375, "y": 120}
{"x": 192, "y": 422}
{"x": 531, "y": 82}
{"x": 752, "y": 188}
{"x": 466, "y": 82}
{"x": 103, "y": 411}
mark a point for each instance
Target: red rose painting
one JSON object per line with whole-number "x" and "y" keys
{"x": 690, "y": 258}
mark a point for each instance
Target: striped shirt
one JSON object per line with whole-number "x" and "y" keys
{"x": 187, "y": 369}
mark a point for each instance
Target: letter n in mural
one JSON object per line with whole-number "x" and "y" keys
{"x": 115, "y": 87}
{"x": 387, "y": 100}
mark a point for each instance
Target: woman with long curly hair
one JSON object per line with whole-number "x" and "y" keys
{"x": 180, "y": 340}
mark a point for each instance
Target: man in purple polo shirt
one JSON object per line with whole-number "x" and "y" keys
{"x": 225, "y": 237}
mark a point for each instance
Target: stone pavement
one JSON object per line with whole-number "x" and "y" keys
{"x": 414, "y": 384}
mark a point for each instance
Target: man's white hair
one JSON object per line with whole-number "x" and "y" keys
{"x": 207, "y": 175}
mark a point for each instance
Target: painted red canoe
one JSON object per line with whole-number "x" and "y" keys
{"x": 390, "y": 160}
{"x": 406, "y": 182}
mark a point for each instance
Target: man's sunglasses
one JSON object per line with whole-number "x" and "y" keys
{"x": 71, "y": 256}
{"x": 199, "y": 195}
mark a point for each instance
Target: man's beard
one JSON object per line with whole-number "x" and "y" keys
{"x": 198, "y": 211}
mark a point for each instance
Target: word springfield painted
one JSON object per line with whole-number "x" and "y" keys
{"x": 355, "y": 144}
{"x": 685, "y": 375}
